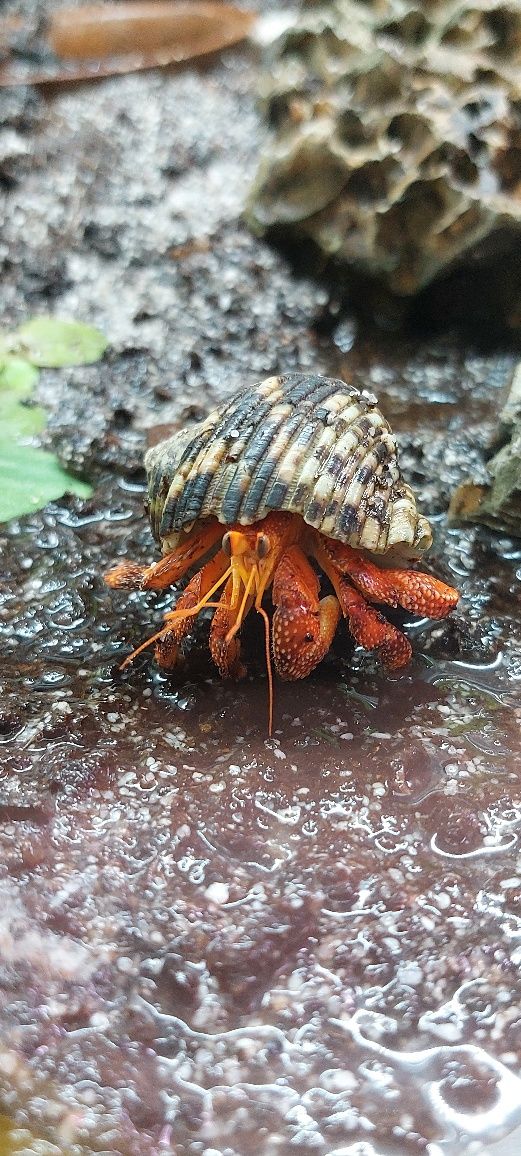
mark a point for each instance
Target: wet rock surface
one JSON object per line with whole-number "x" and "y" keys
{"x": 213, "y": 942}
{"x": 396, "y": 145}
{"x": 213, "y": 939}
{"x": 497, "y": 501}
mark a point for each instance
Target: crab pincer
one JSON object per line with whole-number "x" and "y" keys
{"x": 303, "y": 625}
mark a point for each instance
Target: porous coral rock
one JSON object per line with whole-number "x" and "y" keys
{"x": 398, "y": 136}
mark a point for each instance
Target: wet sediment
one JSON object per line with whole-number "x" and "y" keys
{"x": 213, "y": 941}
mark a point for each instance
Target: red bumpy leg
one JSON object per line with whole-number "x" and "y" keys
{"x": 224, "y": 650}
{"x": 417, "y": 592}
{"x": 371, "y": 630}
{"x": 303, "y": 625}
{"x": 175, "y": 628}
{"x": 130, "y": 576}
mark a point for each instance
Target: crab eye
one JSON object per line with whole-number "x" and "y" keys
{"x": 263, "y": 546}
{"x": 226, "y": 545}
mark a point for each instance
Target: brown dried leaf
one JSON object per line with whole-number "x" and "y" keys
{"x": 116, "y": 29}
{"x": 133, "y": 37}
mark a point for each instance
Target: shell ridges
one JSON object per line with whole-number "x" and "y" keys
{"x": 302, "y": 443}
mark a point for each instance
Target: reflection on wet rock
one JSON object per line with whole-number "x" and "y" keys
{"x": 451, "y": 1080}
{"x": 190, "y": 909}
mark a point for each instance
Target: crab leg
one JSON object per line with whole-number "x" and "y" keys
{"x": 177, "y": 626}
{"x": 415, "y": 591}
{"x": 169, "y": 569}
{"x": 303, "y": 625}
{"x": 369, "y": 628}
{"x": 225, "y": 647}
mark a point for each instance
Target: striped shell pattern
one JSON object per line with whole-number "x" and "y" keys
{"x": 301, "y": 443}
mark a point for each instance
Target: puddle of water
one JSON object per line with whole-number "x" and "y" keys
{"x": 212, "y": 942}
{"x": 315, "y": 935}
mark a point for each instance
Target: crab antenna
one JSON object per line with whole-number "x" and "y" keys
{"x": 149, "y": 642}
{"x": 262, "y": 611}
{"x": 240, "y": 614}
{"x": 159, "y": 634}
{"x": 178, "y": 615}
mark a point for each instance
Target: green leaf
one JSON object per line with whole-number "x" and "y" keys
{"x": 17, "y": 374}
{"x": 51, "y": 343}
{"x": 17, "y": 378}
{"x": 30, "y": 477}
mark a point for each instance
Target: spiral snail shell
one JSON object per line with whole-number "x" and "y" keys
{"x": 297, "y": 443}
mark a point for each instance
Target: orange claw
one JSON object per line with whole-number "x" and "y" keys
{"x": 166, "y": 650}
{"x": 125, "y": 576}
{"x": 303, "y": 626}
{"x": 169, "y": 569}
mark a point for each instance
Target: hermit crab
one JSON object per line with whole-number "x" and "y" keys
{"x": 296, "y": 474}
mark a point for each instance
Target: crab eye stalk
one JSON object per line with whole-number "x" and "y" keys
{"x": 262, "y": 547}
{"x": 234, "y": 544}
